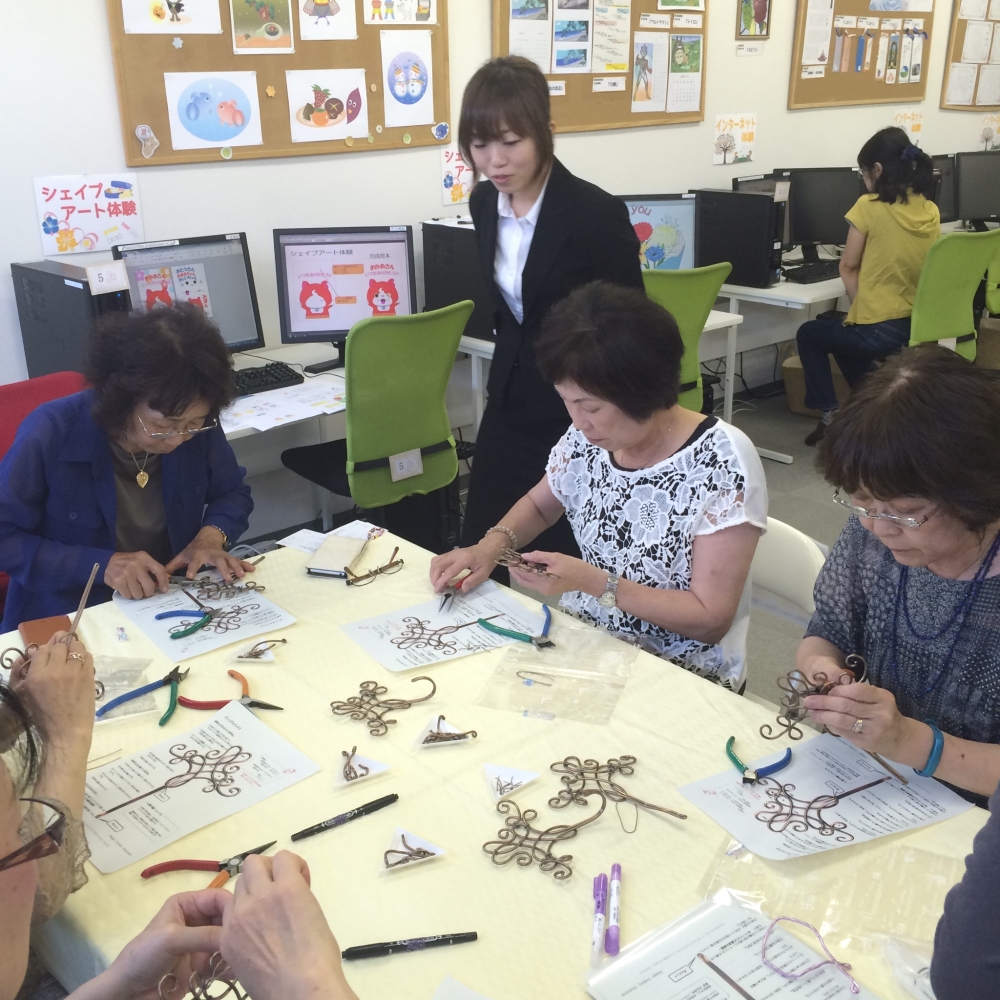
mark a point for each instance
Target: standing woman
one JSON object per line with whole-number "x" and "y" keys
{"x": 542, "y": 233}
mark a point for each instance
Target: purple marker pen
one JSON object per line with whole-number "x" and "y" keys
{"x": 612, "y": 935}
{"x": 600, "y": 911}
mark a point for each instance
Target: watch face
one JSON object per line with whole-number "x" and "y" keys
{"x": 606, "y": 600}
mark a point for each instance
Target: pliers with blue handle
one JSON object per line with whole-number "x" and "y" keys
{"x": 207, "y": 614}
{"x": 173, "y": 679}
{"x": 751, "y": 776}
{"x": 538, "y": 641}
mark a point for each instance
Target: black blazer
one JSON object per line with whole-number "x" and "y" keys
{"x": 583, "y": 234}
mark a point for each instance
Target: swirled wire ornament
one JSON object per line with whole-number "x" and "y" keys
{"x": 223, "y": 620}
{"x": 219, "y": 973}
{"x": 211, "y": 590}
{"x": 352, "y": 771}
{"x": 10, "y": 657}
{"x": 439, "y": 735}
{"x": 784, "y": 812}
{"x": 405, "y": 854}
{"x": 369, "y": 706}
{"x": 217, "y": 768}
{"x": 525, "y": 844}
{"x": 796, "y": 687}
{"x": 417, "y": 635}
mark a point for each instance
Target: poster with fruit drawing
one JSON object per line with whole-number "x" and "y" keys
{"x": 171, "y": 17}
{"x": 327, "y": 104}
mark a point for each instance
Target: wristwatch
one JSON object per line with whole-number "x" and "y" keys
{"x": 609, "y": 599}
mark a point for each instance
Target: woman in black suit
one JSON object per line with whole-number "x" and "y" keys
{"x": 541, "y": 233}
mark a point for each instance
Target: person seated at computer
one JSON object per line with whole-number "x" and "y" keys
{"x": 891, "y": 230}
{"x": 913, "y": 582}
{"x": 271, "y": 930}
{"x": 542, "y": 232}
{"x": 666, "y": 505}
{"x": 134, "y": 474}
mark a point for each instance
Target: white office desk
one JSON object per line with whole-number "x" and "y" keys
{"x": 482, "y": 350}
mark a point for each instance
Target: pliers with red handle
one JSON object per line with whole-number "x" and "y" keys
{"x": 211, "y": 706}
{"x": 227, "y": 868}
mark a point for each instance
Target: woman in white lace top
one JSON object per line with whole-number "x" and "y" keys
{"x": 666, "y": 505}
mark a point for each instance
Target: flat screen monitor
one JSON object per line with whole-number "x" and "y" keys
{"x": 665, "y": 226}
{"x": 818, "y": 200}
{"x": 212, "y": 272}
{"x": 774, "y": 186}
{"x": 330, "y": 279}
{"x": 977, "y": 186}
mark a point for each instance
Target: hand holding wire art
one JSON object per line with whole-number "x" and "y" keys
{"x": 219, "y": 974}
{"x": 217, "y": 768}
{"x": 369, "y": 707}
{"x": 211, "y": 590}
{"x": 796, "y": 687}
{"x": 417, "y": 635}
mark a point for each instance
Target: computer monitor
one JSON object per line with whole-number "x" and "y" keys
{"x": 665, "y": 226}
{"x": 329, "y": 279}
{"x": 977, "y": 187}
{"x": 944, "y": 166}
{"x": 818, "y": 200}
{"x": 778, "y": 188}
{"x": 212, "y": 272}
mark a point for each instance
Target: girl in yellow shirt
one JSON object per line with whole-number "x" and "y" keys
{"x": 891, "y": 229}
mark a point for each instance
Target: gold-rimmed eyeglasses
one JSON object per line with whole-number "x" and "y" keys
{"x": 41, "y": 846}
{"x": 161, "y": 435}
{"x": 394, "y": 565}
{"x": 897, "y": 519}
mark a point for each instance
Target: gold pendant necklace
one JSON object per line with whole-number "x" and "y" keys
{"x": 142, "y": 476}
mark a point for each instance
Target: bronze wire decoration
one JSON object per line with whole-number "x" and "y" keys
{"x": 439, "y": 735}
{"x": 217, "y": 768}
{"x": 219, "y": 973}
{"x": 417, "y": 635}
{"x": 211, "y": 590}
{"x": 369, "y": 707}
{"x": 514, "y": 560}
{"x": 10, "y": 656}
{"x": 351, "y": 770}
{"x": 406, "y": 854}
{"x": 506, "y": 787}
{"x": 257, "y": 651}
{"x": 521, "y": 842}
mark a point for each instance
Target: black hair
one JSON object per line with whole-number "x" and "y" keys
{"x": 905, "y": 167}
{"x": 166, "y": 358}
{"x": 923, "y": 424}
{"x": 18, "y": 739}
{"x": 616, "y": 343}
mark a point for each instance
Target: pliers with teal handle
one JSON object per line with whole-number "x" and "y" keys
{"x": 538, "y": 641}
{"x": 751, "y": 776}
{"x": 173, "y": 679}
{"x": 207, "y": 614}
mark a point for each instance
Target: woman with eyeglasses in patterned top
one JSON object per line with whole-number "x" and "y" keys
{"x": 133, "y": 473}
{"x": 913, "y": 582}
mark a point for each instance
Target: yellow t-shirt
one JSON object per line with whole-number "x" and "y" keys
{"x": 899, "y": 237}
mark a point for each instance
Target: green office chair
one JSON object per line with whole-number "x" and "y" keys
{"x": 688, "y": 296}
{"x": 993, "y": 287}
{"x": 396, "y": 372}
{"x": 942, "y": 308}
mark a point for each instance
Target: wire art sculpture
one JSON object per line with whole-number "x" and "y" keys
{"x": 514, "y": 560}
{"x": 439, "y": 735}
{"x": 223, "y": 619}
{"x": 418, "y": 635}
{"x": 525, "y": 844}
{"x": 219, "y": 974}
{"x": 207, "y": 589}
{"x": 353, "y": 771}
{"x": 258, "y": 651}
{"x": 369, "y": 706}
{"x": 9, "y": 659}
{"x": 784, "y": 812}
{"x": 405, "y": 855}
{"x": 217, "y": 768}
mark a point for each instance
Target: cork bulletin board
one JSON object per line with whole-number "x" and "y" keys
{"x": 611, "y": 65}
{"x": 205, "y": 80}
{"x": 846, "y": 53}
{"x": 972, "y": 67}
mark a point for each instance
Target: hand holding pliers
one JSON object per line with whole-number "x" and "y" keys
{"x": 173, "y": 679}
{"x": 210, "y": 706}
{"x": 228, "y": 867}
{"x": 538, "y": 641}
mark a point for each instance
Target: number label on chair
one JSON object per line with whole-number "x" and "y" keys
{"x": 405, "y": 465}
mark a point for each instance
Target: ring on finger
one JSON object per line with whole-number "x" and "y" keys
{"x": 859, "y": 724}
{"x": 76, "y": 656}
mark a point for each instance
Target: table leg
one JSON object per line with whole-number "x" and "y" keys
{"x": 730, "y": 383}
{"x": 477, "y": 388}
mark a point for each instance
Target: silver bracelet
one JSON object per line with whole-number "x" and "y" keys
{"x": 510, "y": 534}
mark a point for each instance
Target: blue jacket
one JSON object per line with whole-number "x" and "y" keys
{"x": 58, "y": 505}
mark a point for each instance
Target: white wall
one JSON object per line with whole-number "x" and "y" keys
{"x": 59, "y": 115}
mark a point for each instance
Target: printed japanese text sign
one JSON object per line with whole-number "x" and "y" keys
{"x": 82, "y": 213}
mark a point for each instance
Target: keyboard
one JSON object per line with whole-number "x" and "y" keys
{"x": 275, "y": 375}
{"x": 808, "y": 274}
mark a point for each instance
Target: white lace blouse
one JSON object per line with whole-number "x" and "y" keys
{"x": 641, "y": 525}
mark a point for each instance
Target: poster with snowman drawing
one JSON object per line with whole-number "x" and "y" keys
{"x": 327, "y": 104}
{"x": 407, "y": 78}
{"x": 212, "y": 110}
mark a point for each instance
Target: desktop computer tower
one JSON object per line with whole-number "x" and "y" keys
{"x": 453, "y": 273}
{"x": 56, "y": 311}
{"x": 744, "y": 228}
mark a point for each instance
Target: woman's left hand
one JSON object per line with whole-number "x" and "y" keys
{"x": 206, "y": 550}
{"x": 882, "y": 725}
{"x": 568, "y": 573}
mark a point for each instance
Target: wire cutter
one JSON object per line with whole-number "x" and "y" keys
{"x": 538, "y": 641}
{"x": 211, "y": 706}
{"x": 227, "y": 868}
{"x": 207, "y": 614}
{"x": 173, "y": 679}
{"x": 750, "y": 776}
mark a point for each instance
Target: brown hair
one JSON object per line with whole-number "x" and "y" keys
{"x": 508, "y": 93}
{"x": 924, "y": 424}
{"x": 616, "y": 343}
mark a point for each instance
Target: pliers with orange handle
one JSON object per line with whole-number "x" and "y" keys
{"x": 210, "y": 706}
{"x": 227, "y": 868}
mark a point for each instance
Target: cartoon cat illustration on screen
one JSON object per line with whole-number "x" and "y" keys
{"x": 316, "y": 299}
{"x": 158, "y": 296}
{"x": 383, "y": 297}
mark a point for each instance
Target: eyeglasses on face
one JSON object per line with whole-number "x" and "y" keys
{"x": 189, "y": 432}
{"x": 394, "y": 565}
{"x": 47, "y": 842}
{"x": 896, "y": 519}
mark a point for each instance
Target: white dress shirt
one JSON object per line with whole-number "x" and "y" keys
{"x": 514, "y": 238}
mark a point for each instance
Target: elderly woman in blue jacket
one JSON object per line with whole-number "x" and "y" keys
{"x": 134, "y": 473}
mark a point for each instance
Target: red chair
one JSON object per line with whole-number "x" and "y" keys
{"x": 17, "y": 400}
